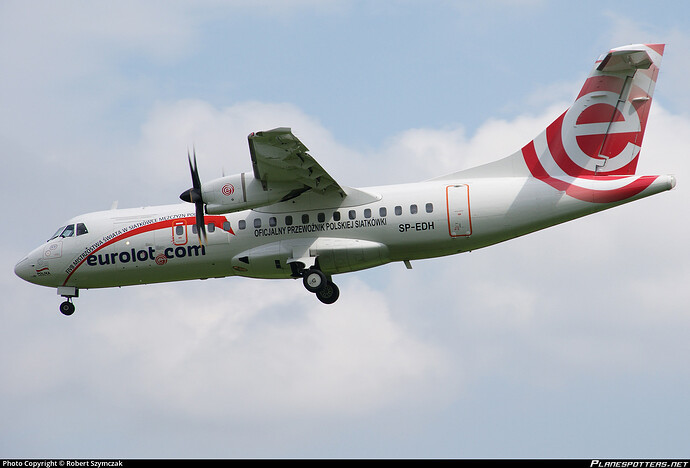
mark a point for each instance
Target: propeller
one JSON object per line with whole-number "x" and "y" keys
{"x": 193, "y": 195}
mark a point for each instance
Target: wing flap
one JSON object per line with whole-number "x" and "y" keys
{"x": 278, "y": 156}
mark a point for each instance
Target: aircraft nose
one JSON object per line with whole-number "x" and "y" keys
{"x": 23, "y": 269}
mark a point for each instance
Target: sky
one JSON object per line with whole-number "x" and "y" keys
{"x": 569, "y": 342}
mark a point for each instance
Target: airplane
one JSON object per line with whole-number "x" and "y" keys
{"x": 288, "y": 218}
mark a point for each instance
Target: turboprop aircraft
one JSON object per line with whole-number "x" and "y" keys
{"x": 288, "y": 218}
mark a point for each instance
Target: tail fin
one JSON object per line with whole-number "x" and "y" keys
{"x": 601, "y": 133}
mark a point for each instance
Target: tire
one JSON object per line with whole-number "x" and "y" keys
{"x": 67, "y": 308}
{"x": 329, "y": 294}
{"x": 314, "y": 280}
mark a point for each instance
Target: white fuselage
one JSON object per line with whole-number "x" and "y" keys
{"x": 390, "y": 223}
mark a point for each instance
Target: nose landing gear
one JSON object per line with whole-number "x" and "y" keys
{"x": 67, "y": 308}
{"x": 68, "y": 292}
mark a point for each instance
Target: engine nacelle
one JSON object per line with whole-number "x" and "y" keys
{"x": 240, "y": 192}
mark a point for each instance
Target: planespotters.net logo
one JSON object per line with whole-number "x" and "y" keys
{"x": 638, "y": 464}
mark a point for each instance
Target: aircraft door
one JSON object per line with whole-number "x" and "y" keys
{"x": 179, "y": 232}
{"x": 458, "y": 204}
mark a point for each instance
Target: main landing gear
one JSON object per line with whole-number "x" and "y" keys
{"x": 316, "y": 281}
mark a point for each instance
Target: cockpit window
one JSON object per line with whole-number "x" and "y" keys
{"x": 68, "y": 232}
{"x": 57, "y": 233}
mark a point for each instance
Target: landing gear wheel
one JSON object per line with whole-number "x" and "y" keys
{"x": 314, "y": 280}
{"x": 329, "y": 293}
{"x": 67, "y": 308}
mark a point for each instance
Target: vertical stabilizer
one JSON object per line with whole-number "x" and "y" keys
{"x": 599, "y": 137}
{"x": 601, "y": 133}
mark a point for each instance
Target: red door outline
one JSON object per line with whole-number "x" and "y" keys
{"x": 179, "y": 236}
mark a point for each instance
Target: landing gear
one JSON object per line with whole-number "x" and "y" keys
{"x": 315, "y": 281}
{"x": 329, "y": 294}
{"x": 68, "y": 292}
{"x": 67, "y": 308}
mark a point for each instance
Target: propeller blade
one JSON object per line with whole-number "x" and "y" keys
{"x": 200, "y": 225}
{"x": 196, "y": 183}
{"x": 193, "y": 195}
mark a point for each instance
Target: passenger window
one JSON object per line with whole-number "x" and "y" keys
{"x": 288, "y": 220}
{"x": 226, "y": 225}
{"x": 242, "y": 224}
{"x": 305, "y": 219}
{"x": 367, "y": 213}
{"x": 398, "y": 210}
{"x": 383, "y": 212}
{"x": 81, "y": 229}
{"x": 352, "y": 214}
{"x": 429, "y": 207}
{"x": 179, "y": 230}
{"x": 211, "y": 227}
{"x": 257, "y": 222}
{"x": 413, "y": 209}
{"x": 194, "y": 230}
{"x": 321, "y": 217}
{"x": 272, "y": 221}
{"x": 336, "y": 216}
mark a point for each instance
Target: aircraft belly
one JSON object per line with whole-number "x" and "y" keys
{"x": 343, "y": 255}
{"x": 334, "y": 255}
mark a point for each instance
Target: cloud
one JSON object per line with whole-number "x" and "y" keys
{"x": 426, "y": 153}
{"x": 219, "y": 136}
{"x": 240, "y": 350}
{"x": 675, "y": 66}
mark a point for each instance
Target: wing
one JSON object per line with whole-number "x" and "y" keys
{"x": 279, "y": 157}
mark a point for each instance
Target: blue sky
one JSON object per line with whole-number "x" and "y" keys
{"x": 571, "y": 342}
